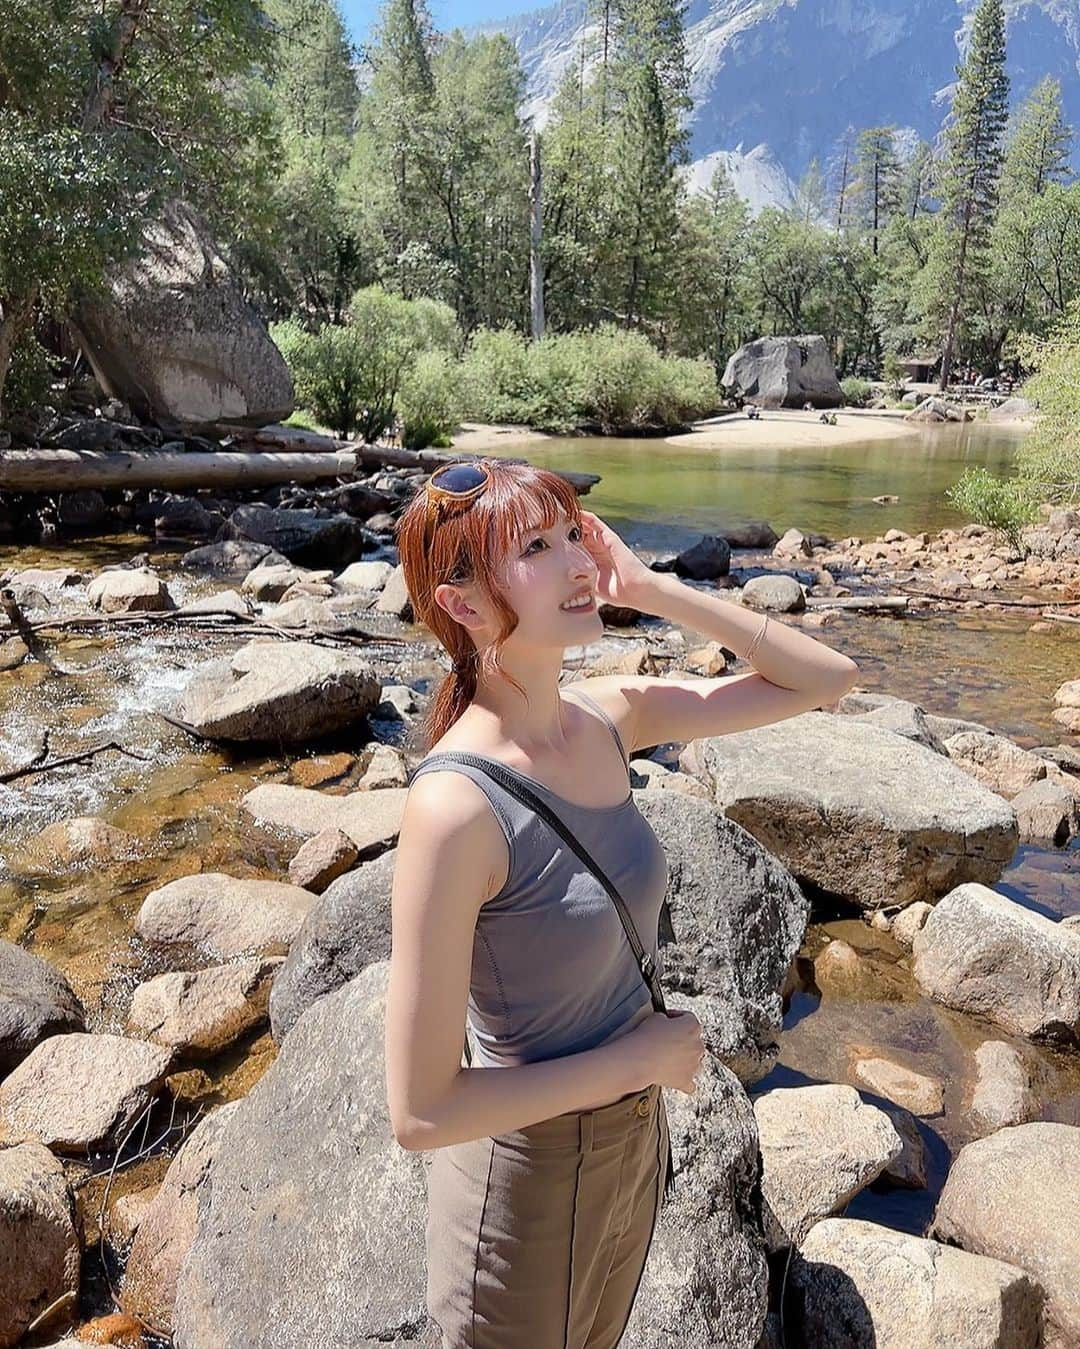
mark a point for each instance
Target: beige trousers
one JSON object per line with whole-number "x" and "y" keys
{"x": 537, "y": 1239}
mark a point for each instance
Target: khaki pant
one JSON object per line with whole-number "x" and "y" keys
{"x": 537, "y": 1239}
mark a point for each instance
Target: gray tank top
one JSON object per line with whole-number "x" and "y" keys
{"x": 552, "y": 970}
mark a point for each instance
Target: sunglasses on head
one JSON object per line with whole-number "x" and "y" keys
{"x": 456, "y": 482}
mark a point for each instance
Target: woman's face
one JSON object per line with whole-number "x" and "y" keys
{"x": 539, "y": 575}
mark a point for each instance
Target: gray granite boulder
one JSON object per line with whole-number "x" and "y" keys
{"x": 820, "y": 1146}
{"x": 201, "y": 1012}
{"x": 784, "y": 372}
{"x": 1014, "y": 1196}
{"x": 858, "y": 1284}
{"x": 272, "y": 690}
{"x": 780, "y": 593}
{"x": 166, "y": 1229}
{"x": 855, "y": 810}
{"x": 76, "y": 1091}
{"x": 36, "y": 1001}
{"x": 737, "y": 919}
{"x": 224, "y": 916}
{"x": 308, "y": 1178}
{"x": 302, "y": 536}
{"x": 40, "y": 1252}
{"x": 172, "y": 335}
{"x": 371, "y": 819}
{"x": 347, "y": 929}
{"x": 984, "y": 954}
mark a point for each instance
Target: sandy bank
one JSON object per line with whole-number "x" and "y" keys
{"x": 480, "y": 438}
{"x": 793, "y": 430}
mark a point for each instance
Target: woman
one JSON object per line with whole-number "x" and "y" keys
{"x": 546, "y": 1176}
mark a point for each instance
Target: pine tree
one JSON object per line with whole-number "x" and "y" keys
{"x": 1037, "y": 152}
{"x": 398, "y": 112}
{"x": 711, "y": 264}
{"x": 876, "y": 189}
{"x": 972, "y": 166}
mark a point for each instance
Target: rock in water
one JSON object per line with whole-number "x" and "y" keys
{"x": 860, "y": 1284}
{"x": 308, "y": 1179}
{"x": 986, "y": 955}
{"x": 785, "y": 372}
{"x": 36, "y": 1002}
{"x": 858, "y": 811}
{"x": 1013, "y": 1196}
{"x": 271, "y": 690}
{"x": 173, "y": 337}
{"x": 302, "y": 536}
{"x": 40, "y": 1255}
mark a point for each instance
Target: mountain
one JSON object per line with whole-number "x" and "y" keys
{"x": 787, "y": 77}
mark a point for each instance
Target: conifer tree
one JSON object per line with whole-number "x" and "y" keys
{"x": 972, "y": 168}
{"x": 876, "y": 189}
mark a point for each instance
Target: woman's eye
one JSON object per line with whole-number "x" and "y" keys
{"x": 575, "y": 530}
{"x": 532, "y": 545}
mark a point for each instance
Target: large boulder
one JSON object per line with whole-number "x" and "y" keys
{"x": 166, "y": 1230}
{"x": 36, "y": 1001}
{"x": 40, "y": 1254}
{"x": 857, "y": 811}
{"x": 172, "y": 336}
{"x": 271, "y": 690}
{"x": 305, "y": 537}
{"x": 203, "y": 1011}
{"x": 983, "y": 953}
{"x": 737, "y": 919}
{"x": 1014, "y": 1196}
{"x": 784, "y": 372}
{"x": 76, "y": 1091}
{"x": 308, "y": 1178}
{"x": 224, "y": 916}
{"x": 858, "y": 1284}
{"x": 370, "y": 819}
{"x": 347, "y": 929}
{"x": 820, "y": 1146}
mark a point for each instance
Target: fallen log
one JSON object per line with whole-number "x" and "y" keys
{"x": 857, "y": 602}
{"x": 48, "y": 470}
{"x": 1060, "y": 618}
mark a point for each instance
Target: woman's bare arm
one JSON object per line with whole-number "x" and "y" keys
{"x": 451, "y": 858}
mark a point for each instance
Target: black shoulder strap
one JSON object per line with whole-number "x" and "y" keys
{"x": 513, "y": 783}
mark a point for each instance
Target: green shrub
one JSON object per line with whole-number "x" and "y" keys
{"x": 349, "y": 375}
{"x": 429, "y": 400}
{"x": 893, "y": 374}
{"x": 1048, "y": 459}
{"x": 609, "y": 378}
{"x": 29, "y": 375}
{"x": 857, "y": 393}
{"x": 1004, "y": 504}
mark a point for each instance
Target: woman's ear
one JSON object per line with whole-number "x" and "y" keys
{"x": 459, "y": 601}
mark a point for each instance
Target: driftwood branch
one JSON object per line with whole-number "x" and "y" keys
{"x": 25, "y": 629}
{"x": 1060, "y": 618}
{"x": 37, "y": 765}
{"x": 869, "y": 602}
{"x": 212, "y": 622}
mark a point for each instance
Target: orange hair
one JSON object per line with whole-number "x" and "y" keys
{"x": 466, "y": 542}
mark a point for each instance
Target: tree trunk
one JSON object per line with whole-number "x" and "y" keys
{"x": 46, "y": 470}
{"x": 536, "y": 234}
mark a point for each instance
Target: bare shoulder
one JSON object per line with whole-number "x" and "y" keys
{"x": 449, "y": 822}
{"x": 618, "y": 695}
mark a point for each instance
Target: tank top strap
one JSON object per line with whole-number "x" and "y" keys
{"x": 579, "y": 693}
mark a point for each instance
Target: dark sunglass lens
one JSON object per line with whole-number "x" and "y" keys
{"x": 459, "y": 478}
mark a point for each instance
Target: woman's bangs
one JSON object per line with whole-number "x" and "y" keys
{"x": 536, "y": 505}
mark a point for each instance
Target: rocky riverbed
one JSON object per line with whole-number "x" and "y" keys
{"x": 871, "y": 914}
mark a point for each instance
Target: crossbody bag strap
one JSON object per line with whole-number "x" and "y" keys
{"x": 511, "y": 781}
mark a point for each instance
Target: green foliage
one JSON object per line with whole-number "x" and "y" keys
{"x": 893, "y": 373}
{"x": 1049, "y": 457}
{"x": 350, "y": 375}
{"x": 857, "y": 392}
{"x": 1004, "y": 504}
{"x": 612, "y": 380}
{"x": 429, "y": 400}
{"x": 29, "y": 376}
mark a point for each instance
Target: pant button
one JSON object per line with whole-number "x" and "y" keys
{"x": 642, "y": 1106}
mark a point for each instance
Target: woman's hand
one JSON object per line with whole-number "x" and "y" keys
{"x": 622, "y": 577}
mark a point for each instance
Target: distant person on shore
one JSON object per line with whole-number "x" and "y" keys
{"x": 550, "y": 1152}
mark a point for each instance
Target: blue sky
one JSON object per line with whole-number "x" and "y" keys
{"x": 360, "y": 15}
